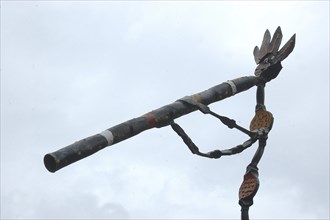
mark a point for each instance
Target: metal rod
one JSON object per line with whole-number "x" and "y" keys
{"x": 245, "y": 213}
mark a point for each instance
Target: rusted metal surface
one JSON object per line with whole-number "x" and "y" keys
{"x": 248, "y": 190}
{"x": 262, "y": 119}
{"x": 249, "y": 186}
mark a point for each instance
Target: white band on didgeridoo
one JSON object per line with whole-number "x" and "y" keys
{"x": 233, "y": 86}
{"x": 108, "y": 135}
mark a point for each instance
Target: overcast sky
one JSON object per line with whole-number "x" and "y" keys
{"x": 73, "y": 69}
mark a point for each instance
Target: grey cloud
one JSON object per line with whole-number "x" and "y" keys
{"x": 60, "y": 206}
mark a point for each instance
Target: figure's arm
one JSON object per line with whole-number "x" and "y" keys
{"x": 191, "y": 145}
{"x": 212, "y": 154}
{"x": 239, "y": 148}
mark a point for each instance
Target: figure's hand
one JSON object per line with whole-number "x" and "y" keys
{"x": 269, "y": 57}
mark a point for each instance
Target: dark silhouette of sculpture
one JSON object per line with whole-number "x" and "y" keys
{"x": 268, "y": 59}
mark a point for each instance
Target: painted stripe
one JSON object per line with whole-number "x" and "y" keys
{"x": 197, "y": 98}
{"x": 108, "y": 135}
{"x": 233, "y": 86}
{"x": 151, "y": 119}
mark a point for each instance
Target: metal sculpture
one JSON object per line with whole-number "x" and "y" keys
{"x": 268, "y": 58}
